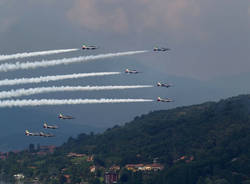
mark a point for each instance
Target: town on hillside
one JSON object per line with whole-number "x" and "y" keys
{"x": 34, "y": 158}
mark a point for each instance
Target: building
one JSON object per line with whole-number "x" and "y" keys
{"x": 71, "y": 154}
{"x": 134, "y": 167}
{"x": 92, "y": 168}
{"x": 153, "y": 167}
{"x": 110, "y": 177}
{"x": 19, "y": 176}
{"x": 3, "y": 157}
{"x": 190, "y": 159}
{"x": 115, "y": 168}
{"x": 185, "y": 158}
{"x": 90, "y": 158}
{"x": 146, "y": 167}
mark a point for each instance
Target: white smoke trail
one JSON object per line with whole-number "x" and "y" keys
{"x": 41, "y": 102}
{"x": 32, "y": 91}
{"x": 39, "y": 53}
{"x": 9, "y": 82}
{"x": 32, "y": 65}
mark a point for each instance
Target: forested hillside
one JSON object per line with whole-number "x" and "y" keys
{"x": 203, "y": 144}
{"x": 217, "y": 135}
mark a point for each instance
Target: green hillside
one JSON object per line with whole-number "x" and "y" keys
{"x": 203, "y": 144}
{"x": 217, "y": 135}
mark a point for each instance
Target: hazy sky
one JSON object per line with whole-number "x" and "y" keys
{"x": 209, "y": 57}
{"x": 208, "y": 38}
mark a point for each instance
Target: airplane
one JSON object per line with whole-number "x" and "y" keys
{"x": 42, "y": 134}
{"x": 164, "y": 85}
{"x": 161, "y": 49}
{"x": 159, "y": 99}
{"x": 27, "y": 133}
{"x": 65, "y": 117}
{"x": 131, "y": 71}
{"x": 45, "y": 125}
{"x": 85, "y": 47}
{"x": 48, "y": 135}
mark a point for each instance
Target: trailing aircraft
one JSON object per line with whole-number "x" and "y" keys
{"x": 131, "y": 71}
{"x": 164, "y": 85}
{"x": 159, "y": 99}
{"x": 92, "y": 47}
{"x": 42, "y": 134}
{"x": 46, "y": 126}
{"x": 157, "y": 49}
{"x": 27, "y": 133}
{"x": 61, "y": 116}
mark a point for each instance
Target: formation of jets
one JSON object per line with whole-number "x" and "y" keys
{"x": 127, "y": 71}
{"x": 93, "y": 47}
{"x": 46, "y": 126}
{"x": 159, "y": 99}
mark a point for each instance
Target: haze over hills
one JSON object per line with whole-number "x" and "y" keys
{"x": 15, "y": 121}
{"x": 99, "y": 117}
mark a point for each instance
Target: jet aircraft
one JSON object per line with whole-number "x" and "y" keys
{"x": 46, "y": 126}
{"x": 131, "y": 71}
{"x": 92, "y": 47}
{"x": 164, "y": 85}
{"x": 161, "y": 49}
{"x": 61, "y": 116}
{"x": 27, "y": 133}
{"x": 159, "y": 99}
{"x": 42, "y": 134}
